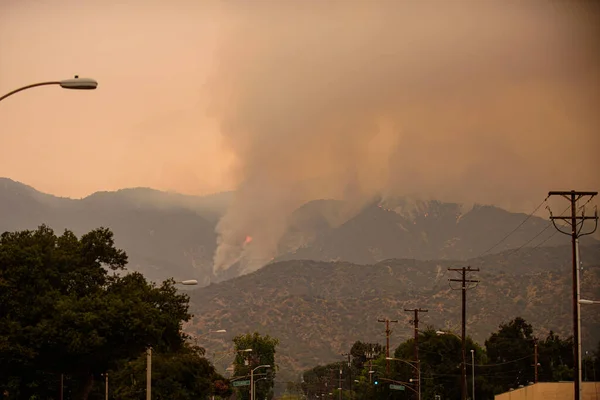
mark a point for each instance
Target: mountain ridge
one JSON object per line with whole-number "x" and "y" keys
{"x": 318, "y": 309}
{"x": 174, "y": 235}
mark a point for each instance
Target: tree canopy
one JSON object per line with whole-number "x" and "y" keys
{"x": 263, "y": 353}
{"x": 67, "y": 307}
{"x": 506, "y": 361}
{"x": 184, "y": 374}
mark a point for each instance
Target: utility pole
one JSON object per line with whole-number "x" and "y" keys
{"x": 149, "y": 373}
{"x": 388, "y": 332}
{"x": 340, "y": 385}
{"x": 576, "y": 224}
{"x": 415, "y": 322}
{"x": 464, "y": 281}
{"x": 349, "y": 371}
{"x": 369, "y": 355}
{"x": 535, "y": 360}
{"x": 106, "y": 385}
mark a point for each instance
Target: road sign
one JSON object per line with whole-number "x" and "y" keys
{"x": 396, "y": 387}
{"x": 241, "y": 383}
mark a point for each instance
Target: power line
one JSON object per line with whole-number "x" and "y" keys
{"x": 388, "y": 332}
{"x": 545, "y": 240}
{"x": 415, "y": 322}
{"x": 530, "y": 240}
{"x": 517, "y": 228}
{"x": 502, "y": 363}
{"x": 464, "y": 281}
{"x": 584, "y": 204}
{"x": 537, "y": 235}
{"x": 573, "y": 221}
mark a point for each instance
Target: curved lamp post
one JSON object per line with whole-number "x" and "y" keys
{"x": 75, "y": 83}
{"x": 252, "y": 395}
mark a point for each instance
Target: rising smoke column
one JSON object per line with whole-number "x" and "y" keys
{"x": 458, "y": 101}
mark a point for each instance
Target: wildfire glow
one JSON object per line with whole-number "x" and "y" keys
{"x": 248, "y": 239}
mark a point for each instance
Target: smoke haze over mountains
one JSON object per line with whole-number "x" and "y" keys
{"x": 287, "y": 101}
{"x": 492, "y": 102}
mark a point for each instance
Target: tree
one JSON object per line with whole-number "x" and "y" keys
{"x": 511, "y": 351}
{"x": 555, "y": 358}
{"x": 179, "y": 375}
{"x": 593, "y": 365}
{"x": 440, "y": 364}
{"x": 318, "y": 380}
{"x": 64, "y": 309}
{"x": 263, "y": 353}
{"x": 360, "y": 350}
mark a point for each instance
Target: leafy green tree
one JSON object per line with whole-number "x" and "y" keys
{"x": 64, "y": 309}
{"x": 360, "y": 352}
{"x": 319, "y": 380}
{"x": 440, "y": 364}
{"x": 510, "y": 350}
{"x": 593, "y": 365}
{"x": 184, "y": 374}
{"x": 263, "y": 353}
{"x": 555, "y": 359}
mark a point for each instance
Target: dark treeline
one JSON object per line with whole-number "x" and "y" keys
{"x": 505, "y": 361}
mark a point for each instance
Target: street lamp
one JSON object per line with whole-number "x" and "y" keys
{"x": 411, "y": 363}
{"x": 254, "y": 383}
{"x": 189, "y": 282}
{"x": 75, "y": 83}
{"x": 252, "y": 395}
{"x": 196, "y": 337}
{"x": 585, "y": 301}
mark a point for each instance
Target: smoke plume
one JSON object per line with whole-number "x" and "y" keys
{"x": 489, "y": 102}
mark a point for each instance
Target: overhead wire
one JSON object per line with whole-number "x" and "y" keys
{"x": 517, "y": 228}
{"x": 537, "y": 235}
{"x": 545, "y": 240}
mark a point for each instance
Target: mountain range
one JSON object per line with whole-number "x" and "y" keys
{"x": 173, "y": 235}
{"x": 336, "y": 273}
{"x": 319, "y": 309}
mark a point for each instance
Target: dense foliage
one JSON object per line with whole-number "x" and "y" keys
{"x": 263, "y": 349}
{"x": 67, "y": 309}
{"x": 180, "y": 375}
{"x": 506, "y": 361}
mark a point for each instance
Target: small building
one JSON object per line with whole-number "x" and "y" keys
{"x": 552, "y": 391}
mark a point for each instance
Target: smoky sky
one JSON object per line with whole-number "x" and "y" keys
{"x": 489, "y": 102}
{"x": 286, "y": 101}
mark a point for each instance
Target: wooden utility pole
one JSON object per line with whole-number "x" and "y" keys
{"x": 464, "y": 281}
{"x": 388, "y": 332}
{"x": 535, "y": 360}
{"x": 415, "y": 322}
{"x": 350, "y": 372}
{"x": 340, "y": 384}
{"x": 576, "y": 224}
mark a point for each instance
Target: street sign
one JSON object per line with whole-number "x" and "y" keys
{"x": 396, "y": 387}
{"x": 241, "y": 383}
